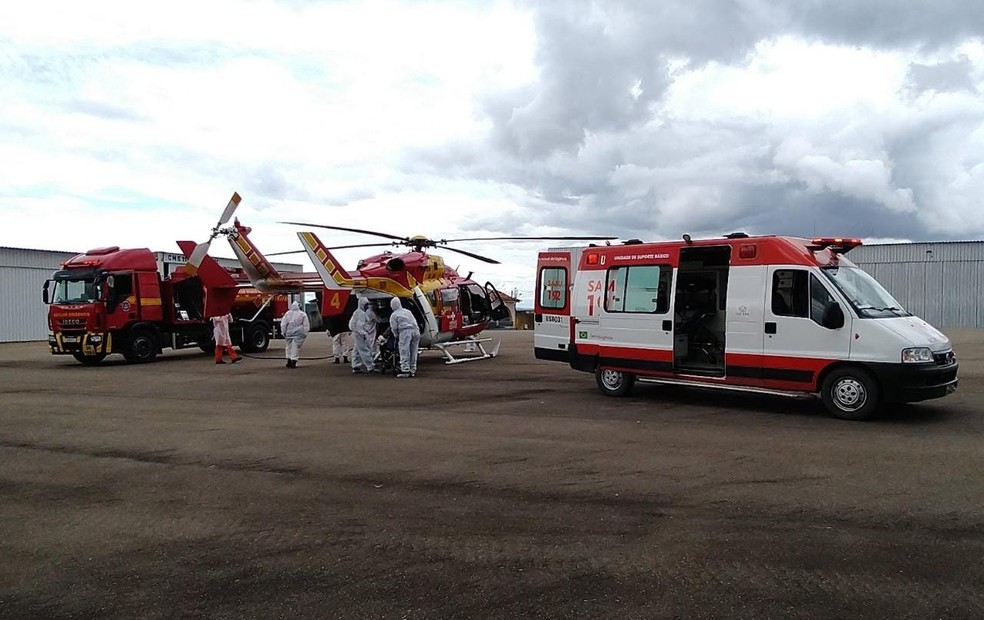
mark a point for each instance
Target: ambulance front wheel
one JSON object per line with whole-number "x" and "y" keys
{"x": 614, "y": 382}
{"x": 851, "y": 393}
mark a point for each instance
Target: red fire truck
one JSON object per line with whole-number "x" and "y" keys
{"x": 112, "y": 300}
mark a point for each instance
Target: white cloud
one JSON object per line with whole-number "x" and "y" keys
{"x": 789, "y": 80}
{"x": 865, "y": 179}
{"x": 133, "y": 125}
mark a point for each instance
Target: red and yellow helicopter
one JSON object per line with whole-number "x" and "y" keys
{"x": 451, "y": 309}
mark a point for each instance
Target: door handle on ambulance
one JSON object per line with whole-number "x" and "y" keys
{"x": 538, "y": 317}
{"x": 770, "y": 327}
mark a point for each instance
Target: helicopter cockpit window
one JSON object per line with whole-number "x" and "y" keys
{"x": 477, "y": 301}
{"x": 431, "y": 298}
{"x": 449, "y": 297}
{"x": 553, "y": 288}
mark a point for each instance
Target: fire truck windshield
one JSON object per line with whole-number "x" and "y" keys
{"x": 74, "y": 291}
{"x": 868, "y": 297}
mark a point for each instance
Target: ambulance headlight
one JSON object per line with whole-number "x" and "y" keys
{"x": 917, "y": 355}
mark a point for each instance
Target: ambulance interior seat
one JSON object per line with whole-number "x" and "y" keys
{"x": 780, "y": 306}
{"x": 700, "y": 317}
{"x": 790, "y": 296}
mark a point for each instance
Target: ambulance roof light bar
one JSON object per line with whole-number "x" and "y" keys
{"x": 837, "y": 245}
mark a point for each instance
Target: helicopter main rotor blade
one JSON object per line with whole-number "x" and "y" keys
{"x": 338, "y": 247}
{"x": 576, "y": 238}
{"x": 364, "y": 245}
{"x": 355, "y": 230}
{"x": 285, "y": 253}
{"x": 198, "y": 254}
{"x": 473, "y": 255}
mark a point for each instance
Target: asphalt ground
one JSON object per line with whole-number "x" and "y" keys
{"x": 507, "y": 488}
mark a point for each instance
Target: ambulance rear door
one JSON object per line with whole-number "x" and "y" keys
{"x": 552, "y": 306}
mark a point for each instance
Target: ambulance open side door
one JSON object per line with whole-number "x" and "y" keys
{"x": 552, "y": 306}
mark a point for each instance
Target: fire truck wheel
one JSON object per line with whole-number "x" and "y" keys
{"x": 207, "y": 347}
{"x": 256, "y": 338}
{"x": 140, "y": 347}
{"x": 851, "y": 393}
{"x": 89, "y": 360}
{"x": 614, "y": 382}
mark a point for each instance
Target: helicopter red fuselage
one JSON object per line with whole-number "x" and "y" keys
{"x": 461, "y": 307}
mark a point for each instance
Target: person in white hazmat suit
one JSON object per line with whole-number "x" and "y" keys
{"x": 371, "y": 329}
{"x": 407, "y": 334}
{"x": 363, "y": 328}
{"x": 295, "y": 326}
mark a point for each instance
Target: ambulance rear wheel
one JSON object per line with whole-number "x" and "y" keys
{"x": 89, "y": 360}
{"x": 141, "y": 347}
{"x": 851, "y": 394}
{"x": 614, "y": 382}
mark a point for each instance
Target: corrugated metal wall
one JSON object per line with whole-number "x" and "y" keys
{"x": 23, "y": 316}
{"x": 940, "y": 282}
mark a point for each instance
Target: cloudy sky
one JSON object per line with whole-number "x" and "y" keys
{"x": 131, "y": 126}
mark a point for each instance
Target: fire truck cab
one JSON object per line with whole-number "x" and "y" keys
{"x": 780, "y": 315}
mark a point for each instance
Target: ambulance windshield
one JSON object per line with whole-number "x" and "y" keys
{"x": 868, "y": 297}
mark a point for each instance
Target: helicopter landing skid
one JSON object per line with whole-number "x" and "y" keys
{"x": 479, "y": 353}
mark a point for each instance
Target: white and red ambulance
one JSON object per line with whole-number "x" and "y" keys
{"x": 780, "y": 315}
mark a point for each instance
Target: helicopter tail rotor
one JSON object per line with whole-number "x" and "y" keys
{"x": 201, "y": 250}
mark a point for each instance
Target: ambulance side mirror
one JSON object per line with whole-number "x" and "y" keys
{"x": 833, "y": 316}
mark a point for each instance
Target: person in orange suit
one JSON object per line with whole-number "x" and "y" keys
{"x": 223, "y": 343}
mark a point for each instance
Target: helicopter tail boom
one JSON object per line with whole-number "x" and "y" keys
{"x": 261, "y": 273}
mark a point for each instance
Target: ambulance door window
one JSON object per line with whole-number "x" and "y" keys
{"x": 791, "y": 293}
{"x": 553, "y": 288}
{"x": 640, "y": 288}
{"x": 820, "y": 299}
